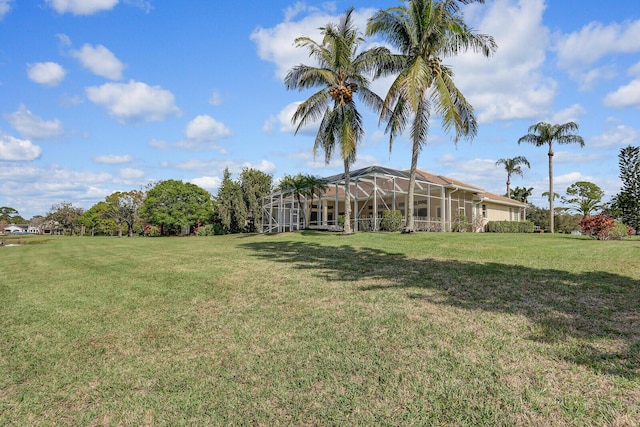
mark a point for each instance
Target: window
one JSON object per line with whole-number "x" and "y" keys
{"x": 484, "y": 211}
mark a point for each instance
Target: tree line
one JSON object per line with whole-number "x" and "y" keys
{"x": 174, "y": 207}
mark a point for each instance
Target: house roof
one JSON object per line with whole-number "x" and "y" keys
{"x": 421, "y": 177}
{"x": 500, "y": 199}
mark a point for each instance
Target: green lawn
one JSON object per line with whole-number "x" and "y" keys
{"x": 320, "y": 329}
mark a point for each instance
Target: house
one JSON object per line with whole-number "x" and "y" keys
{"x": 440, "y": 203}
{"x": 16, "y": 229}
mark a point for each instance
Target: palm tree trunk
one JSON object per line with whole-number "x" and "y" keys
{"x": 412, "y": 185}
{"x": 347, "y": 199}
{"x": 550, "y": 188}
{"x": 508, "y": 186}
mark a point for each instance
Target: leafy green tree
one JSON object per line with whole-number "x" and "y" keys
{"x": 542, "y": 134}
{"x": 584, "y": 196}
{"x": 255, "y": 185}
{"x": 230, "y": 205}
{"x": 627, "y": 202}
{"x": 7, "y": 214}
{"x": 93, "y": 219}
{"x": 174, "y": 204}
{"x": 66, "y": 216}
{"x": 342, "y": 71}
{"x": 425, "y": 32}
{"x": 513, "y": 166}
{"x": 567, "y": 222}
{"x": 521, "y": 194}
{"x": 539, "y": 216}
{"x": 123, "y": 209}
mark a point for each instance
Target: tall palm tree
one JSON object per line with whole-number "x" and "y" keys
{"x": 342, "y": 71}
{"x": 513, "y": 166}
{"x": 425, "y": 32}
{"x": 543, "y": 133}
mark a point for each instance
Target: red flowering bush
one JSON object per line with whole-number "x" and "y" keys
{"x": 603, "y": 227}
{"x": 598, "y": 226}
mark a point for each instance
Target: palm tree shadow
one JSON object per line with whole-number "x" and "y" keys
{"x": 561, "y": 304}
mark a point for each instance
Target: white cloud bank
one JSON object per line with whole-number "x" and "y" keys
{"x": 134, "y": 102}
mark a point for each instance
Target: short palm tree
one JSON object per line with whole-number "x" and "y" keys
{"x": 342, "y": 72}
{"x": 425, "y": 32}
{"x": 521, "y": 194}
{"x": 513, "y": 166}
{"x": 543, "y": 133}
{"x": 302, "y": 185}
{"x": 296, "y": 186}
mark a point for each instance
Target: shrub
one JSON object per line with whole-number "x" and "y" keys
{"x": 620, "y": 231}
{"x": 152, "y": 231}
{"x": 510, "y": 227}
{"x": 598, "y": 226}
{"x": 210, "y": 230}
{"x": 391, "y": 220}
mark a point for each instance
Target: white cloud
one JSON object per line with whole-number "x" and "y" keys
{"x": 283, "y": 122}
{"x": 570, "y": 114}
{"x": 619, "y": 135}
{"x": 159, "y": 144}
{"x": 144, "y": 5}
{"x": 509, "y": 84}
{"x": 112, "y": 159}
{"x": 634, "y": 70}
{"x": 18, "y": 149}
{"x": 134, "y": 102}
{"x": 100, "y": 61}
{"x": 276, "y": 44}
{"x": 265, "y": 166}
{"x": 209, "y": 183}
{"x": 131, "y": 173}
{"x": 64, "y": 40}
{"x": 81, "y": 7}
{"x": 206, "y": 128}
{"x": 579, "y": 157}
{"x": 561, "y": 182}
{"x": 595, "y": 40}
{"x": 625, "y": 96}
{"x": 216, "y": 98}
{"x": 579, "y": 51}
{"x": 46, "y": 73}
{"x": 33, "y": 190}
{"x": 5, "y": 7}
{"x": 33, "y": 127}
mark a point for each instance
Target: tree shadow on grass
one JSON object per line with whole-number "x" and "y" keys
{"x": 562, "y": 305}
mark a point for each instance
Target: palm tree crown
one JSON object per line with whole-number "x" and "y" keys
{"x": 341, "y": 72}
{"x": 425, "y": 32}
{"x": 543, "y": 133}
{"x": 513, "y": 166}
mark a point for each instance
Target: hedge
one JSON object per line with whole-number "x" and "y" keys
{"x": 510, "y": 227}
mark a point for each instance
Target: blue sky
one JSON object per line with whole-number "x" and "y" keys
{"x": 98, "y": 96}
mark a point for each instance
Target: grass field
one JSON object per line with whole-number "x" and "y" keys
{"x": 320, "y": 329}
